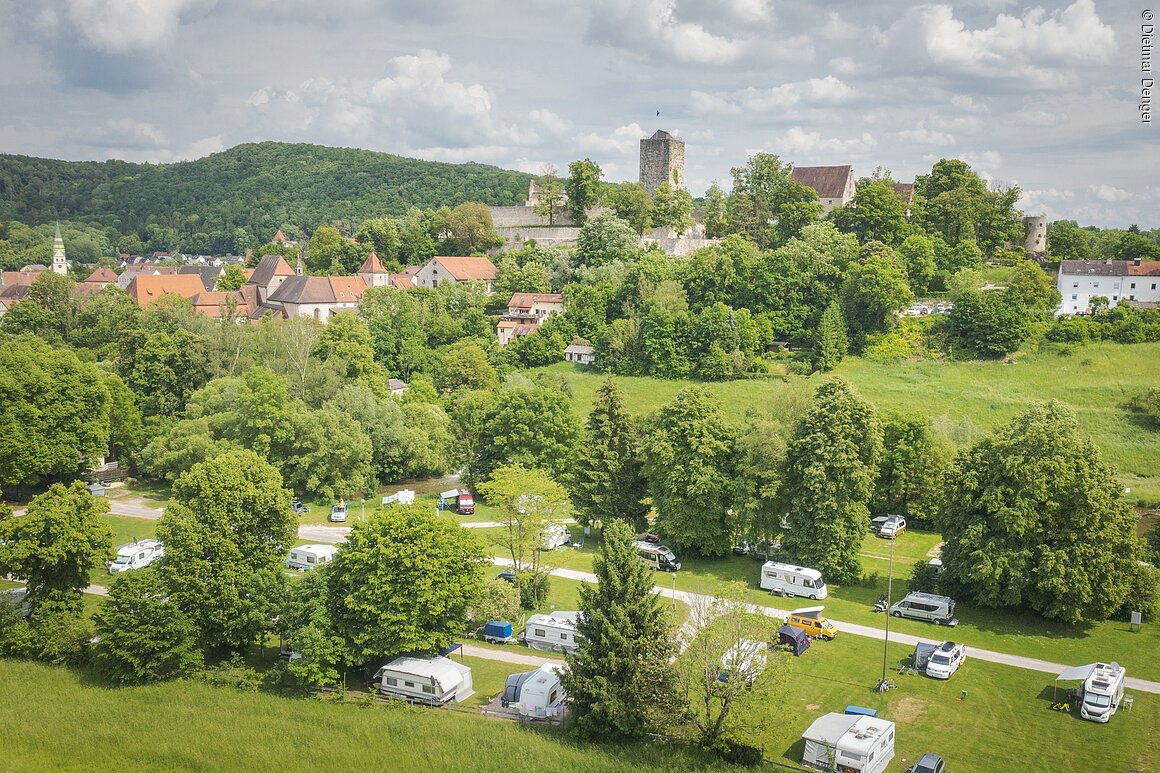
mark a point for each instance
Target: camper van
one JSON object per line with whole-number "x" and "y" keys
{"x": 307, "y": 557}
{"x": 136, "y": 555}
{"x": 657, "y": 556}
{"x": 338, "y": 511}
{"x": 888, "y": 526}
{"x": 849, "y": 742}
{"x": 946, "y": 659}
{"x": 812, "y": 621}
{"x": 926, "y": 606}
{"x": 425, "y": 680}
{"x": 555, "y": 632}
{"x": 790, "y": 580}
{"x": 1103, "y": 691}
{"x": 536, "y": 694}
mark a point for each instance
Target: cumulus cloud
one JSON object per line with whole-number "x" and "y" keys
{"x": 119, "y": 26}
{"x": 827, "y": 90}
{"x": 922, "y": 135}
{"x": 806, "y": 143}
{"x": 125, "y": 133}
{"x": 653, "y": 26}
{"x": 1105, "y": 192}
{"x": 623, "y": 140}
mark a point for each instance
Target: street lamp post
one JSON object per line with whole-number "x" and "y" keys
{"x": 886, "y": 640}
{"x": 674, "y": 591}
{"x": 362, "y": 516}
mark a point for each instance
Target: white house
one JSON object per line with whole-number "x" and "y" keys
{"x": 581, "y": 354}
{"x": 441, "y": 270}
{"x": 372, "y": 272}
{"x": 1131, "y": 281}
{"x": 320, "y": 297}
{"x": 425, "y": 680}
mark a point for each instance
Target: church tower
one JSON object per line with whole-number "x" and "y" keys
{"x": 60, "y": 264}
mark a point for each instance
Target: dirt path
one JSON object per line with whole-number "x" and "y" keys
{"x": 518, "y": 658}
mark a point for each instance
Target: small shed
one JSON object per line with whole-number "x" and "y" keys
{"x": 580, "y": 354}
{"x": 96, "y": 489}
{"x": 795, "y": 639}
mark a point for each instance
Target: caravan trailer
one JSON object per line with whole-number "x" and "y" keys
{"x": 1103, "y": 691}
{"x": 432, "y": 681}
{"x": 554, "y": 633}
{"x": 536, "y": 694}
{"x": 555, "y": 535}
{"x": 790, "y": 580}
{"x": 848, "y": 742}
{"x": 307, "y": 557}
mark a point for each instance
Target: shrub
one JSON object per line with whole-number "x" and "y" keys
{"x": 924, "y": 578}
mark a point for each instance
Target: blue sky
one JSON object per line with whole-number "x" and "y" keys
{"x": 1042, "y": 96}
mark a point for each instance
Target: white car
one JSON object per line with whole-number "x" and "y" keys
{"x": 946, "y": 660}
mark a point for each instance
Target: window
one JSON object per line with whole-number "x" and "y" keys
{"x": 1074, "y": 297}
{"x": 409, "y": 684}
{"x": 1131, "y": 297}
{"x": 1075, "y": 284}
{"x": 540, "y": 632}
{"x": 392, "y": 681}
{"x": 1153, "y": 285}
{"x": 563, "y": 637}
{"x": 310, "y": 559}
{"x": 1115, "y": 297}
{"x": 428, "y": 689}
{"x": 1133, "y": 285}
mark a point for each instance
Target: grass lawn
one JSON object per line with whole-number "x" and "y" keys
{"x": 1004, "y": 718}
{"x": 63, "y": 720}
{"x": 972, "y": 397}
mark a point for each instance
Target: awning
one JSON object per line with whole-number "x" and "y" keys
{"x": 1076, "y": 673}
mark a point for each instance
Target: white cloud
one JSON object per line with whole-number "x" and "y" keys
{"x": 807, "y": 143}
{"x": 1105, "y": 192}
{"x": 624, "y": 140}
{"x": 128, "y": 133}
{"x": 653, "y": 24}
{"x": 925, "y": 136}
{"x": 827, "y": 90}
{"x": 549, "y": 121}
{"x": 121, "y": 26}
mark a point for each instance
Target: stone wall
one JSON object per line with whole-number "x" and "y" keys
{"x": 660, "y": 157}
{"x": 505, "y": 217}
{"x": 678, "y": 247}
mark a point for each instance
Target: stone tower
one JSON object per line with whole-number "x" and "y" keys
{"x": 60, "y": 264}
{"x": 662, "y": 159}
{"x": 1036, "y": 241}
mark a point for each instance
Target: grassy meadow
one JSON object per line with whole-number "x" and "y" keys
{"x": 964, "y": 399}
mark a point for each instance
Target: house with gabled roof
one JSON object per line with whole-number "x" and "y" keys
{"x": 454, "y": 270}
{"x": 833, "y": 184}
{"x": 372, "y": 272}
{"x": 102, "y": 276}
{"x": 146, "y": 288}
{"x": 320, "y": 297}
{"x": 525, "y": 313}
{"x": 268, "y": 276}
{"x": 405, "y": 279}
{"x": 209, "y": 274}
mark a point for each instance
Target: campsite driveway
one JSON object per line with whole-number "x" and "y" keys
{"x": 518, "y": 658}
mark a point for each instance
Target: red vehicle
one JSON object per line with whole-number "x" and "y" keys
{"x": 466, "y": 503}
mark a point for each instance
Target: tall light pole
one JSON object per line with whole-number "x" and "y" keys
{"x": 674, "y": 592}
{"x": 886, "y": 641}
{"x": 363, "y": 515}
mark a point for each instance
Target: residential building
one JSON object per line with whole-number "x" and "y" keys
{"x": 146, "y": 288}
{"x": 405, "y": 279}
{"x": 103, "y": 277}
{"x": 1120, "y": 281}
{"x": 132, "y": 270}
{"x": 509, "y": 330}
{"x": 525, "y": 313}
{"x": 441, "y": 270}
{"x": 833, "y": 184}
{"x": 397, "y": 387}
{"x": 209, "y": 274}
{"x": 320, "y": 297}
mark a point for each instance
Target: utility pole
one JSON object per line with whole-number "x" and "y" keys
{"x": 886, "y": 641}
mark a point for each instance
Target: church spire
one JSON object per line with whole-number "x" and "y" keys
{"x": 60, "y": 263}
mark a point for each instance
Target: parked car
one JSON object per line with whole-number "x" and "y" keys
{"x": 338, "y": 511}
{"x": 507, "y": 575}
{"x": 928, "y": 763}
{"x": 299, "y": 508}
{"x": 946, "y": 659}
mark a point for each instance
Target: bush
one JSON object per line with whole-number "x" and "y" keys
{"x": 924, "y": 578}
{"x": 1142, "y": 597}
{"x": 533, "y": 588}
{"x": 743, "y": 754}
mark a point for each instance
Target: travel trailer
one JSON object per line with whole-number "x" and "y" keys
{"x": 1103, "y": 691}
{"x": 555, "y": 632}
{"x": 307, "y": 557}
{"x": 536, "y": 694}
{"x": 136, "y": 555}
{"x": 849, "y": 742}
{"x": 790, "y": 580}
{"x": 946, "y": 659}
{"x": 459, "y": 500}
{"x": 745, "y": 659}
{"x": 657, "y": 556}
{"x": 425, "y": 680}
{"x": 926, "y": 606}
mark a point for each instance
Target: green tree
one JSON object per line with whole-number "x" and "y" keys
{"x": 144, "y": 637}
{"x": 180, "y": 446}
{"x": 917, "y": 253}
{"x": 497, "y": 599}
{"x": 767, "y": 204}
{"x": 1067, "y": 241}
{"x": 382, "y": 421}
{"x": 125, "y": 429}
{"x": 231, "y": 279}
{"x": 631, "y": 203}
{"x": 226, "y": 535}
{"x": 912, "y": 467}
{"x": 471, "y": 231}
{"x": 428, "y": 444}
{"x": 716, "y": 213}
{"x": 328, "y": 453}
{"x": 551, "y": 196}
{"x": 309, "y": 631}
{"x": 830, "y": 470}
{"x": 402, "y": 583}
{"x": 672, "y": 208}
{"x": 583, "y": 188}
{"x": 1032, "y": 517}
{"x": 690, "y": 466}
{"x": 1031, "y": 287}
{"x": 761, "y": 450}
{"x": 987, "y": 324}
{"x": 325, "y": 253}
{"x": 55, "y": 544}
{"x": 874, "y": 291}
{"x": 606, "y": 239}
{"x": 832, "y": 342}
{"x": 610, "y": 482}
{"x": 532, "y": 426}
{"x": 465, "y": 366}
{"x": 382, "y": 236}
{"x": 346, "y": 342}
{"x": 620, "y": 682}
{"x": 163, "y": 368}
{"x": 876, "y": 213}
{"x": 54, "y": 413}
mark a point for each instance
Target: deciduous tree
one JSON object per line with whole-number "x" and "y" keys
{"x": 583, "y": 188}
{"x": 144, "y": 637}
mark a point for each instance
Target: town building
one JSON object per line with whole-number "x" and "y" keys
{"x": 581, "y": 354}
{"x": 442, "y": 270}
{"x": 1120, "y": 281}
{"x": 833, "y": 184}
{"x": 525, "y": 313}
{"x": 372, "y": 272}
{"x": 320, "y": 297}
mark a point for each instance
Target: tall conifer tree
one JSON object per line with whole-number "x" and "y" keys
{"x": 610, "y": 482}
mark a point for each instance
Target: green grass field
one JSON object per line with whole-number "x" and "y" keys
{"x": 971, "y": 397}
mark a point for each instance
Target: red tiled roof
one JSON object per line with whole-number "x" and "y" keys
{"x": 527, "y": 300}
{"x": 468, "y": 269}
{"x": 1146, "y": 268}
{"x": 372, "y": 265}
{"x": 18, "y": 277}
{"x": 103, "y": 275}
{"x": 146, "y": 288}
{"x": 216, "y": 304}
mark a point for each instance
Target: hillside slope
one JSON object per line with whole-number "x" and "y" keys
{"x": 254, "y": 186}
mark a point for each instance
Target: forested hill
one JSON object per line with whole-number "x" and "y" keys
{"x": 259, "y": 187}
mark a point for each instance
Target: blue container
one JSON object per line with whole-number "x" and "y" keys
{"x": 497, "y": 629}
{"x": 862, "y": 710}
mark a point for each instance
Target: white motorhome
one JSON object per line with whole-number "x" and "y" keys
{"x": 555, "y": 535}
{"x": 136, "y": 555}
{"x": 657, "y": 556}
{"x": 553, "y": 633}
{"x": 537, "y": 694}
{"x": 17, "y": 597}
{"x": 425, "y": 680}
{"x": 925, "y": 606}
{"x": 849, "y": 742}
{"x": 1103, "y": 691}
{"x": 790, "y": 580}
{"x": 946, "y": 659}
{"x": 307, "y": 557}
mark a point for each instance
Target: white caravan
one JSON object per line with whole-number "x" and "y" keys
{"x": 537, "y": 694}
{"x": 425, "y": 680}
{"x": 849, "y": 742}
{"x": 136, "y": 555}
{"x": 790, "y": 580}
{"x": 553, "y": 633}
{"x": 1103, "y": 691}
{"x": 307, "y": 557}
{"x": 946, "y": 659}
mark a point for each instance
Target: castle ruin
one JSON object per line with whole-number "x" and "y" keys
{"x": 662, "y": 160}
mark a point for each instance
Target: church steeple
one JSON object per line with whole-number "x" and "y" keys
{"x": 60, "y": 263}
{"x": 298, "y": 266}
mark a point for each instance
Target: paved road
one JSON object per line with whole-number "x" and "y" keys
{"x": 1017, "y": 661}
{"x": 517, "y": 657}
